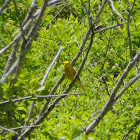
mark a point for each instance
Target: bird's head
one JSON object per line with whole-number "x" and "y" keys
{"x": 66, "y": 62}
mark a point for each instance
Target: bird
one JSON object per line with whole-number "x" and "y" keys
{"x": 70, "y": 73}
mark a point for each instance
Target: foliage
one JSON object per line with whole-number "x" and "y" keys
{"x": 106, "y": 61}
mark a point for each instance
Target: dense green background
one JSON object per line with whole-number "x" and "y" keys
{"x": 106, "y": 62}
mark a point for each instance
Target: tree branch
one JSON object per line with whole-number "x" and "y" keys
{"x": 25, "y": 27}
{"x": 8, "y": 130}
{"x": 29, "y": 39}
{"x": 126, "y": 87}
{"x": 109, "y": 27}
{"x": 51, "y": 65}
{"x": 110, "y": 102}
{"x": 4, "y": 6}
{"x": 114, "y": 9}
{"x": 36, "y": 97}
{"x": 128, "y": 31}
{"x": 29, "y": 115}
{"x": 19, "y": 20}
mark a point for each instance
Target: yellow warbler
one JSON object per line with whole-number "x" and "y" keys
{"x": 70, "y": 73}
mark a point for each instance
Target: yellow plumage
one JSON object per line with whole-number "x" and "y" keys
{"x": 70, "y": 73}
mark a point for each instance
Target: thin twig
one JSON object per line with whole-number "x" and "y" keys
{"x": 25, "y": 27}
{"x": 11, "y": 58}
{"x": 99, "y": 13}
{"x": 82, "y": 65}
{"x": 126, "y": 87}
{"x": 88, "y": 33}
{"x": 21, "y": 127}
{"x": 19, "y": 20}
{"x": 51, "y": 65}
{"x": 8, "y": 130}
{"x": 109, "y": 27}
{"x": 87, "y": 12}
{"x": 85, "y": 7}
{"x": 29, "y": 115}
{"x": 58, "y": 13}
{"x": 114, "y": 9}
{"x": 51, "y": 93}
{"x": 52, "y": 2}
{"x": 4, "y": 6}
{"x": 31, "y": 11}
{"x": 89, "y": 118}
{"x": 35, "y": 97}
{"x": 128, "y": 31}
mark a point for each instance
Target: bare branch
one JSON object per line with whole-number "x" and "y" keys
{"x": 114, "y": 9}
{"x": 87, "y": 12}
{"x": 11, "y": 71}
{"x": 8, "y": 130}
{"x": 31, "y": 34}
{"x": 35, "y": 97}
{"x": 100, "y": 10}
{"x": 24, "y": 41}
{"x": 29, "y": 115}
{"x": 82, "y": 46}
{"x": 35, "y": 26}
{"x": 33, "y": 7}
{"x": 82, "y": 65}
{"x": 126, "y": 87}
{"x": 25, "y": 27}
{"x": 19, "y": 20}
{"x": 89, "y": 6}
{"x": 11, "y": 58}
{"x": 128, "y": 31}
{"x": 51, "y": 93}
{"x": 21, "y": 127}
{"x": 52, "y": 2}
{"x": 58, "y": 13}
{"x": 85, "y": 8}
{"x": 89, "y": 118}
{"x": 4, "y": 6}
{"x": 16, "y": 134}
{"x": 29, "y": 39}
{"x": 110, "y": 27}
{"x": 31, "y": 11}
{"x": 51, "y": 65}
{"x": 99, "y": 6}
{"x": 110, "y": 102}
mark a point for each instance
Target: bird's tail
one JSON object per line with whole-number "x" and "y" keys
{"x": 80, "y": 84}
